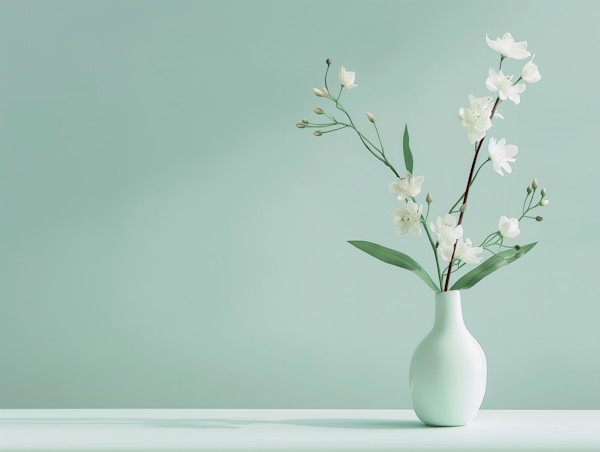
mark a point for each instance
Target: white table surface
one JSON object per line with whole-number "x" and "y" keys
{"x": 292, "y": 430}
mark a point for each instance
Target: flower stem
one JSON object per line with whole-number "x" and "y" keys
{"x": 474, "y": 177}
{"x": 467, "y": 193}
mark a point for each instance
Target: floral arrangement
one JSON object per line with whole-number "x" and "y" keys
{"x": 446, "y": 236}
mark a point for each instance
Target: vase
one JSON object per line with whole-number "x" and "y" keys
{"x": 448, "y": 369}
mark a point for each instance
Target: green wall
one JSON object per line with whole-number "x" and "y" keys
{"x": 169, "y": 238}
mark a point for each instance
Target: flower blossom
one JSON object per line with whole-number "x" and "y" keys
{"x": 530, "y": 72}
{"x": 501, "y": 154}
{"x": 406, "y": 187}
{"x": 465, "y": 252}
{"x": 347, "y": 78}
{"x": 477, "y": 118}
{"x": 504, "y": 85}
{"x": 509, "y": 227}
{"x": 508, "y": 48}
{"x": 447, "y": 231}
{"x": 408, "y": 218}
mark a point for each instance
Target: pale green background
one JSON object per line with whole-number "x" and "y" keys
{"x": 169, "y": 238}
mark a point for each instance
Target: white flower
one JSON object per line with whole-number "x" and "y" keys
{"x": 406, "y": 187}
{"x": 318, "y": 92}
{"x": 446, "y": 230}
{"x": 530, "y": 72}
{"x": 501, "y": 154}
{"x": 408, "y": 218}
{"x": 347, "y": 78}
{"x": 508, "y": 48}
{"x": 503, "y": 84}
{"x": 477, "y": 119}
{"x": 509, "y": 227}
{"x": 464, "y": 252}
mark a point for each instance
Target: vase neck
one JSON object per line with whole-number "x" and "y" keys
{"x": 448, "y": 311}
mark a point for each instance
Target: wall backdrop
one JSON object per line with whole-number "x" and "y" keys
{"x": 169, "y": 238}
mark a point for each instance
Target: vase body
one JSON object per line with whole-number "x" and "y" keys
{"x": 448, "y": 370}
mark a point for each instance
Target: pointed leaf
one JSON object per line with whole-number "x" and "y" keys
{"x": 489, "y": 266}
{"x": 396, "y": 258}
{"x": 408, "y": 158}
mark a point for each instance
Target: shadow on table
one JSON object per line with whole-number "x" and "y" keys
{"x": 374, "y": 424}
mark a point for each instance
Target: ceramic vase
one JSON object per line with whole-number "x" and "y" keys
{"x": 448, "y": 370}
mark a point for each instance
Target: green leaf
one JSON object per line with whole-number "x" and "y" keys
{"x": 396, "y": 258}
{"x": 408, "y": 158}
{"x": 489, "y": 266}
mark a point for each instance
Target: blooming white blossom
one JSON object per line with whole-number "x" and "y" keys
{"x": 477, "y": 118}
{"x": 465, "y": 252}
{"x": 406, "y": 187}
{"x": 530, "y": 72}
{"x": 447, "y": 231}
{"x": 509, "y": 227}
{"x": 501, "y": 154}
{"x": 408, "y": 218}
{"x": 508, "y": 48}
{"x": 347, "y": 78}
{"x": 504, "y": 85}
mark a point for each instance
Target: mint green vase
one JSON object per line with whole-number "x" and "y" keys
{"x": 448, "y": 370}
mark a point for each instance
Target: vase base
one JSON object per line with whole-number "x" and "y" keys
{"x": 438, "y": 425}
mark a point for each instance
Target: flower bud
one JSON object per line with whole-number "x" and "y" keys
{"x": 530, "y": 72}
{"x": 519, "y": 255}
{"x": 328, "y": 61}
{"x": 543, "y": 202}
{"x": 317, "y": 133}
{"x": 305, "y": 121}
{"x": 529, "y": 189}
{"x": 318, "y": 92}
{"x": 517, "y": 247}
{"x": 325, "y": 92}
{"x": 543, "y": 192}
{"x": 534, "y": 184}
{"x": 318, "y": 111}
{"x": 464, "y": 207}
{"x": 538, "y": 218}
{"x": 300, "y": 125}
{"x": 429, "y": 198}
{"x": 371, "y": 117}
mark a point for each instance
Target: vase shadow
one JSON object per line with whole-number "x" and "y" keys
{"x": 223, "y": 423}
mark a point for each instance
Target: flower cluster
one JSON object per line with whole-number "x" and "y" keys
{"x": 450, "y": 244}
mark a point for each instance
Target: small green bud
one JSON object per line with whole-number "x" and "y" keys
{"x": 325, "y": 92}
{"x": 300, "y": 126}
{"x": 318, "y": 92}
{"x": 305, "y": 121}
{"x": 538, "y": 218}
{"x": 534, "y": 184}
{"x": 519, "y": 255}
{"x": 318, "y": 111}
{"x": 464, "y": 207}
{"x": 318, "y": 133}
{"x": 429, "y": 198}
{"x": 543, "y": 192}
{"x": 543, "y": 202}
{"x": 371, "y": 117}
{"x": 328, "y": 61}
{"x": 517, "y": 247}
{"x": 529, "y": 189}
